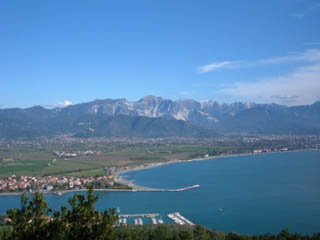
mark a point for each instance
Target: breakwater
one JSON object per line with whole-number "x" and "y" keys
{"x": 146, "y": 189}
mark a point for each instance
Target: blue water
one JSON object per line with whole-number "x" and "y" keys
{"x": 258, "y": 193}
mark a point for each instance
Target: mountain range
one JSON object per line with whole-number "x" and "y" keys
{"x": 158, "y": 117}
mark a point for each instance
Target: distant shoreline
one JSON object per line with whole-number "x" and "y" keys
{"x": 138, "y": 188}
{"x": 121, "y": 180}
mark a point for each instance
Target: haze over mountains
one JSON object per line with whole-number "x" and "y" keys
{"x": 157, "y": 117}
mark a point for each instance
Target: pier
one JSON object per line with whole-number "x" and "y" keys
{"x": 136, "y": 188}
{"x": 148, "y": 215}
{"x": 179, "y": 219}
{"x": 155, "y": 218}
{"x": 137, "y": 218}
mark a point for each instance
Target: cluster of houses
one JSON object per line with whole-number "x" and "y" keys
{"x": 269, "y": 150}
{"x": 75, "y": 154}
{"x": 50, "y": 183}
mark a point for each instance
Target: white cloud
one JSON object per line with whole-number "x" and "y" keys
{"x": 302, "y": 86}
{"x": 309, "y": 55}
{"x": 62, "y": 104}
{"x": 214, "y": 66}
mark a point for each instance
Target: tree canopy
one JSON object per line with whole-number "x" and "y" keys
{"x": 35, "y": 220}
{"x": 81, "y": 221}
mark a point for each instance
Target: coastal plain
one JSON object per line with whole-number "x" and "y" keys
{"x": 78, "y": 157}
{"x": 42, "y": 161}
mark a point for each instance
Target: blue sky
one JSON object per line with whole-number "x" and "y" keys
{"x": 62, "y": 52}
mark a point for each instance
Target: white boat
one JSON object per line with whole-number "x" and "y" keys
{"x": 154, "y": 221}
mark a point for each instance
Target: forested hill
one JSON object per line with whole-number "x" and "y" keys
{"x": 157, "y": 117}
{"x": 37, "y": 121}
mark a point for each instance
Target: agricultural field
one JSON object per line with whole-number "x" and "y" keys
{"x": 41, "y": 161}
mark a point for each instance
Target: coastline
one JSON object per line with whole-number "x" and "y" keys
{"x": 138, "y": 188}
{"x": 66, "y": 191}
{"x": 135, "y": 187}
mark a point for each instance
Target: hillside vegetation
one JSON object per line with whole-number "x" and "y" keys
{"x": 158, "y": 117}
{"x": 35, "y": 220}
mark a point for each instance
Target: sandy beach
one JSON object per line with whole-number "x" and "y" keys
{"x": 118, "y": 178}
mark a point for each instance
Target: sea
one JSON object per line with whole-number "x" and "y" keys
{"x": 254, "y": 194}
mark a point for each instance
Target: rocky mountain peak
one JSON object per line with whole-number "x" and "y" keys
{"x": 151, "y": 98}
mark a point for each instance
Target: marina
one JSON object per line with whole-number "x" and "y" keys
{"x": 152, "y": 218}
{"x": 179, "y": 219}
{"x": 137, "y": 219}
{"x": 148, "y": 215}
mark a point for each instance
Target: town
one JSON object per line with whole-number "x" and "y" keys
{"x": 57, "y": 183}
{"x": 66, "y": 163}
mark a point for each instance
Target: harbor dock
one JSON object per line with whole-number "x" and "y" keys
{"x": 148, "y": 215}
{"x": 153, "y": 218}
{"x": 179, "y": 219}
